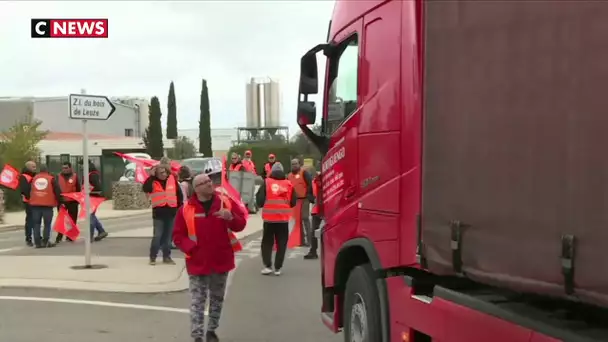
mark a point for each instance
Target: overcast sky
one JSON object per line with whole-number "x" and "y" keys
{"x": 153, "y": 43}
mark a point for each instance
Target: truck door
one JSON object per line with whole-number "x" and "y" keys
{"x": 341, "y": 121}
{"x": 379, "y": 130}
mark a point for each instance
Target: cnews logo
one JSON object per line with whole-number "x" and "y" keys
{"x": 69, "y": 28}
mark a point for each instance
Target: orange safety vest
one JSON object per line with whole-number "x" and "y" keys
{"x": 28, "y": 178}
{"x": 68, "y": 185}
{"x": 248, "y": 165}
{"x": 42, "y": 194}
{"x": 164, "y": 197}
{"x": 278, "y": 197}
{"x": 190, "y": 215}
{"x": 315, "y": 192}
{"x": 238, "y": 167}
{"x": 299, "y": 183}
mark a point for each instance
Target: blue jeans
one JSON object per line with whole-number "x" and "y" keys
{"x": 161, "y": 240}
{"x": 40, "y": 214}
{"x": 96, "y": 225}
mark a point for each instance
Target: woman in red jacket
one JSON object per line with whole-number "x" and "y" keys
{"x": 202, "y": 230}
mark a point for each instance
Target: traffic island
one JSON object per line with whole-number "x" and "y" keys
{"x": 122, "y": 274}
{"x": 128, "y": 195}
{"x": 89, "y": 267}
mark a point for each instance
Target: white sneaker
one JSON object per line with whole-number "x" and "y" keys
{"x": 266, "y": 271}
{"x": 277, "y": 272}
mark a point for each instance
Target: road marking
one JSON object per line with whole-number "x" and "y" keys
{"x": 10, "y": 249}
{"x": 97, "y": 303}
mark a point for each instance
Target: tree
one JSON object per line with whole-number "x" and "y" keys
{"x": 183, "y": 148}
{"x": 204, "y": 124}
{"x": 171, "y": 114}
{"x": 19, "y": 145}
{"x": 153, "y": 138}
{"x": 304, "y": 147}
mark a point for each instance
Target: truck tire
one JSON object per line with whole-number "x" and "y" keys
{"x": 362, "y": 306}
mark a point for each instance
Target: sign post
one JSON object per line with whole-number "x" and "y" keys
{"x": 88, "y": 107}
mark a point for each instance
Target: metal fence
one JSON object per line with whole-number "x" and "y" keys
{"x": 110, "y": 166}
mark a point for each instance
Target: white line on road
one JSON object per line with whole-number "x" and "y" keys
{"x": 10, "y": 249}
{"x": 96, "y": 303}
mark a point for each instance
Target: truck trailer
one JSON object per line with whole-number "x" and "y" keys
{"x": 464, "y": 188}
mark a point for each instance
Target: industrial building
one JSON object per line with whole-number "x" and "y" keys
{"x": 122, "y": 131}
{"x": 263, "y": 118}
{"x": 221, "y": 139}
{"x": 129, "y": 119}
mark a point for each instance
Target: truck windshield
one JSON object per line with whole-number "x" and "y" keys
{"x": 342, "y": 95}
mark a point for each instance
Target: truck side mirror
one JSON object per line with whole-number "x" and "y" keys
{"x": 307, "y": 113}
{"x": 309, "y": 75}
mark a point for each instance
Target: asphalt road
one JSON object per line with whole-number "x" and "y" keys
{"x": 258, "y": 308}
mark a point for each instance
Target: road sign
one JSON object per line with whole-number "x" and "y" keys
{"x": 90, "y": 107}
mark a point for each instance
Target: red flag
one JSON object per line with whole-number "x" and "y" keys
{"x": 79, "y": 196}
{"x": 175, "y": 166}
{"x": 227, "y": 189}
{"x": 140, "y": 174}
{"x": 65, "y": 225}
{"x": 9, "y": 177}
{"x": 236, "y": 199}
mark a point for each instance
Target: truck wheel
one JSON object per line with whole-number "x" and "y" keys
{"x": 362, "y": 306}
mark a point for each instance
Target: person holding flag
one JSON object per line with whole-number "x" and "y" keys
{"x": 276, "y": 197}
{"x": 95, "y": 183}
{"x": 203, "y": 230}
{"x": 68, "y": 182}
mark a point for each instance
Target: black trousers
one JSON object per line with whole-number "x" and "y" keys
{"x": 279, "y": 232}
{"x": 314, "y": 242}
{"x": 29, "y": 222}
{"x": 72, "y": 208}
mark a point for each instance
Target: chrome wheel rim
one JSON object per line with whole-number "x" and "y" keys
{"x": 358, "y": 320}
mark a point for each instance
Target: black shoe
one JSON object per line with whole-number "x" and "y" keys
{"x": 29, "y": 243}
{"x": 168, "y": 261}
{"x": 101, "y": 236}
{"x": 49, "y": 244}
{"x": 311, "y": 256}
{"x": 211, "y": 337}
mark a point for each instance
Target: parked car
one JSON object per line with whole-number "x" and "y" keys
{"x": 129, "y": 174}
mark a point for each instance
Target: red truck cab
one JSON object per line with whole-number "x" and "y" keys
{"x": 374, "y": 284}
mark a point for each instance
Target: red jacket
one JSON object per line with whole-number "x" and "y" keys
{"x": 213, "y": 252}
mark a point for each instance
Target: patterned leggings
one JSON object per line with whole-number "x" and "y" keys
{"x": 211, "y": 286}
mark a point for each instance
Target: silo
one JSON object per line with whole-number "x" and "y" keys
{"x": 272, "y": 113}
{"x": 253, "y": 105}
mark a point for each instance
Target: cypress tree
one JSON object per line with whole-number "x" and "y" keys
{"x": 154, "y": 133}
{"x": 171, "y": 114}
{"x": 204, "y": 123}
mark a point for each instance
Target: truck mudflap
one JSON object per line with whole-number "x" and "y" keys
{"x": 464, "y": 311}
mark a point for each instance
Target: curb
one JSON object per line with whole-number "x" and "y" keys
{"x": 16, "y": 227}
